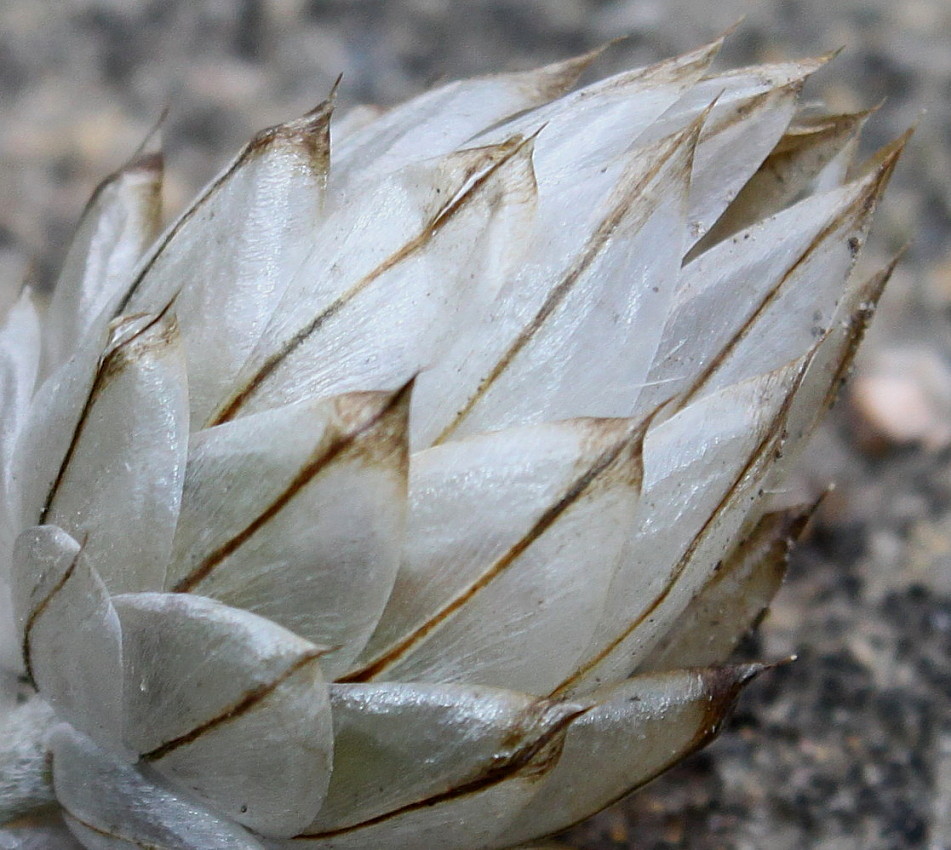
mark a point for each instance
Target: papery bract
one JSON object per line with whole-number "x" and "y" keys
{"x": 413, "y": 487}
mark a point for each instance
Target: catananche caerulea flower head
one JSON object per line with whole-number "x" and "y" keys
{"x": 413, "y": 487}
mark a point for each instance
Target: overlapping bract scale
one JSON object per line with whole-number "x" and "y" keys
{"x": 383, "y": 498}
{"x": 227, "y": 705}
{"x": 511, "y": 544}
{"x": 703, "y": 471}
{"x": 121, "y": 220}
{"x": 315, "y": 544}
{"x": 503, "y": 767}
{"x": 446, "y": 119}
{"x": 591, "y": 295}
{"x": 394, "y": 272}
{"x": 111, "y": 805}
{"x": 70, "y": 635}
{"x": 233, "y": 253}
{"x": 20, "y": 340}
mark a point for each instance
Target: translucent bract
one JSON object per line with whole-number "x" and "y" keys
{"x": 413, "y": 487}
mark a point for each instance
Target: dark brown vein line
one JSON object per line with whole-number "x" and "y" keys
{"x": 106, "y": 368}
{"x": 243, "y": 706}
{"x": 861, "y": 206}
{"x": 859, "y": 323}
{"x": 506, "y": 767}
{"x": 590, "y": 252}
{"x": 541, "y": 525}
{"x": 37, "y": 612}
{"x": 319, "y": 462}
{"x": 722, "y": 697}
{"x": 772, "y": 436}
{"x": 445, "y": 214}
{"x": 317, "y": 122}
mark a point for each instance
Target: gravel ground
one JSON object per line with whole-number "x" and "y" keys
{"x": 849, "y": 747}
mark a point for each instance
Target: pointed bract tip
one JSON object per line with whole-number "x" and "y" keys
{"x": 724, "y": 682}
{"x": 832, "y": 54}
{"x": 723, "y": 685}
{"x": 152, "y": 162}
{"x": 822, "y": 123}
{"x": 798, "y": 517}
{"x": 809, "y": 66}
{"x": 309, "y": 134}
{"x": 698, "y": 59}
{"x": 402, "y": 395}
{"x": 697, "y": 124}
{"x": 899, "y": 256}
{"x": 152, "y": 141}
{"x": 705, "y": 53}
{"x": 311, "y": 122}
{"x": 884, "y": 159}
{"x": 873, "y": 288}
{"x": 559, "y": 77}
{"x": 531, "y": 137}
{"x": 809, "y": 511}
{"x": 146, "y": 161}
{"x": 881, "y": 165}
{"x": 732, "y": 28}
{"x": 746, "y": 673}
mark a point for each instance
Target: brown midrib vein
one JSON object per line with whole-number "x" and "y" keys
{"x": 102, "y": 370}
{"x": 772, "y": 295}
{"x": 37, "y": 612}
{"x": 769, "y": 437}
{"x": 502, "y": 770}
{"x": 321, "y": 460}
{"x": 704, "y": 733}
{"x": 245, "y": 704}
{"x": 593, "y": 248}
{"x": 174, "y": 230}
{"x": 858, "y": 325}
{"x": 210, "y": 191}
{"x": 432, "y": 227}
{"x": 541, "y": 525}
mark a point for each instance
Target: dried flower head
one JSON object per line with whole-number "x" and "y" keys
{"x": 413, "y": 487}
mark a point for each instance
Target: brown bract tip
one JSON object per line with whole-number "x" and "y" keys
{"x": 151, "y": 162}
{"x": 155, "y": 338}
{"x": 375, "y": 426}
{"x": 826, "y": 58}
{"x": 677, "y": 68}
{"x": 309, "y": 134}
{"x": 821, "y": 126}
{"x": 882, "y": 163}
{"x": 554, "y": 80}
{"x": 797, "y": 518}
{"x": 732, "y": 28}
{"x": 147, "y": 164}
{"x": 722, "y": 686}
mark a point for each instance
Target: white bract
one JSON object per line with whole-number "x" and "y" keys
{"x": 411, "y": 488}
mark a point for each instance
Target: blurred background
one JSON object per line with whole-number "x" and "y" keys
{"x": 850, "y": 746}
